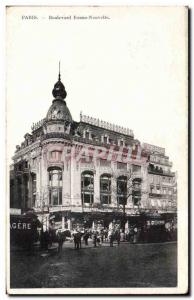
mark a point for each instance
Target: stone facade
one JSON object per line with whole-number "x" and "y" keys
{"x": 88, "y": 170}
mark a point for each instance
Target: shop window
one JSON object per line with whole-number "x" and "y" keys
{"x": 105, "y": 189}
{"x": 55, "y": 186}
{"x": 87, "y": 187}
{"x": 122, "y": 190}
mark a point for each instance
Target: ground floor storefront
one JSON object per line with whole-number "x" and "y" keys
{"x": 147, "y": 227}
{"x": 27, "y": 229}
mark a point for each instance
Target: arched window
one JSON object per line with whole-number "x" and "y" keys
{"x": 105, "y": 189}
{"x": 87, "y": 187}
{"x": 122, "y": 190}
{"x": 55, "y": 186}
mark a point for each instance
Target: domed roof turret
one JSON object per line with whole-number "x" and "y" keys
{"x": 59, "y": 109}
{"x": 59, "y": 91}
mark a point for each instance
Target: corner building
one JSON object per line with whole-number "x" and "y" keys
{"x": 90, "y": 173}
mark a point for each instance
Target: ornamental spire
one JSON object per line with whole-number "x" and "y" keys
{"x": 59, "y": 72}
{"x": 59, "y": 91}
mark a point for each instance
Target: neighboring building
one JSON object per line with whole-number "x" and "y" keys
{"x": 88, "y": 173}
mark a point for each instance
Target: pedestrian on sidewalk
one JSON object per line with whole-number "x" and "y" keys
{"x": 98, "y": 239}
{"x": 102, "y": 236}
{"x": 106, "y": 235}
{"x": 95, "y": 239}
{"x": 118, "y": 237}
{"x": 60, "y": 241}
{"x": 86, "y": 237}
{"x": 77, "y": 240}
{"x": 111, "y": 237}
{"x": 135, "y": 235}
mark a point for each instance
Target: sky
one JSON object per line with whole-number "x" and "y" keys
{"x": 128, "y": 67}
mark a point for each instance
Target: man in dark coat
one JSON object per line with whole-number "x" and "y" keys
{"x": 60, "y": 241}
{"x": 118, "y": 237}
{"x": 86, "y": 237}
{"x": 111, "y": 239}
{"x": 95, "y": 238}
{"x": 77, "y": 240}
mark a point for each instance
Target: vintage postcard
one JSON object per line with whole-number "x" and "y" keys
{"x": 97, "y": 150}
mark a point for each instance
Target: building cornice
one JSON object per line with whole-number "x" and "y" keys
{"x": 26, "y": 150}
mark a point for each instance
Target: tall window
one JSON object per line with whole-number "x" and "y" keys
{"x": 122, "y": 190}
{"x": 105, "y": 189}
{"x": 136, "y": 192}
{"x": 33, "y": 189}
{"x": 55, "y": 155}
{"x": 55, "y": 186}
{"x": 87, "y": 187}
{"x": 105, "y": 163}
{"x": 151, "y": 189}
{"x": 136, "y": 168}
{"x": 121, "y": 166}
{"x": 151, "y": 178}
{"x": 158, "y": 190}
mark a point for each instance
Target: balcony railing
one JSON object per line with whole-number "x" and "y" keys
{"x": 167, "y": 163}
{"x": 136, "y": 175}
{"x": 155, "y": 195}
{"x": 161, "y": 195}
{"x": 55, "y": 135}
{"x": 161, "y": 172}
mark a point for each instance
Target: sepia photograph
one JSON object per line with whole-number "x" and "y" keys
{"x": 97, "y": 150}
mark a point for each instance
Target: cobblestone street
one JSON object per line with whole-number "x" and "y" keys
{"x": 129, "y": 265}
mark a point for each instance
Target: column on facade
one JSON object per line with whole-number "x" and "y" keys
{"x": 114, "y": 191}
{"x": 66, "y": 192}
{"x": 144, "y": 187}
{"x": 63, "y": 222}
{"x": 38, "y": 183}
{"x": 76, "y": 180}
{"x": 127, "y": 225}
{"x": 15, "y": 194}
{"x": 43, "y": 177}
{"x": 69, "y": 227}
{"x": 23, "y": 191}
{"x": 26, "y": 196}
{"x": 30, "y": 191}
{"x": 72, "y": 161}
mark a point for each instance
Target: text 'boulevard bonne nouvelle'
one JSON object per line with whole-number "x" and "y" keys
{"x": 69, "y": 17}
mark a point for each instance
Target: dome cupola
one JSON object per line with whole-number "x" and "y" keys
{"x": 59, "y": 91}
{"x": 59, "y": 110}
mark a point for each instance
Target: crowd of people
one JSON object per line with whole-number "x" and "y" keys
{"x": 98, "y": 237}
